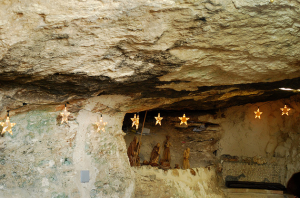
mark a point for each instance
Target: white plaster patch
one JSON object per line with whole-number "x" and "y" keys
{"x": 45, "y": 182}
{"x": 130, "y": 190}
{"x": 40, "y": 170}
{"x": 51, "y": 163}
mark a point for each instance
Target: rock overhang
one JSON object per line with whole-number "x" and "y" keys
{"x": 192, "y": 55}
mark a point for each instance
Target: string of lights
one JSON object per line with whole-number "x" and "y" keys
{"x": 7, "y": 125}
{"x": 285, "y": 110}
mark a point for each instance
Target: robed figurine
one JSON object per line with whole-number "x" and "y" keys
{"x": 186, "y": 156}
{"x": 167, "y": 154}
{"x": 137, "y": 154}
{"x": 132, "y": 151}
{"x": 154, "y": 158}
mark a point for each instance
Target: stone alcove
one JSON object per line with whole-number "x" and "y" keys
{"x": 201, "y": 137}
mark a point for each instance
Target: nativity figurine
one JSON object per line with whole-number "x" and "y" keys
{"x": 132, "y": 151}
{"x": 137, "y": 154}
{"x": 154, "y": 158}
{"x": 186, "y": 156}
{"x": 166, "y": 159}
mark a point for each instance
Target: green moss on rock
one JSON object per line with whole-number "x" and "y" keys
{"x": 59, "y": 195}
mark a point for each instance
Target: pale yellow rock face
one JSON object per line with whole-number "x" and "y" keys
{"x": 216, "y": 43}
{"x": 56, "y": 51}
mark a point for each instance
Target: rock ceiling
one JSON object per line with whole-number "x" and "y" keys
{"x": 173, "y": 54}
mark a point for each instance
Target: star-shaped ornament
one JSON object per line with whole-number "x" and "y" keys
{"x": 64, "y": 115}
{"x": 101, "y": 125}
{"x": 135, "y": 121}
{"x": 219, "y": 114}
{"x": 285, "y": 110}
{"x": 257, "y": 113}
{"x": 183, "y": 119}
{"x": 158, "y": 119}
{"x": 7, "y": 125}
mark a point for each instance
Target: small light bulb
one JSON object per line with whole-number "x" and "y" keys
{"x": 257, "y": 113}
{"x": 183, "y": 119}
{"x": 158, "y": 119}
{"x": 135, "y": 121}
{"x": 7, "y": 125}
{"x": 65, "y": 115}
{"x": 285, "y": 110}
{"x": 101, "y": 125}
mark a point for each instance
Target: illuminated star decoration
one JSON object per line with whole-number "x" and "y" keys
{"x": 183, "y": 120}
{"x": 135, "y": 121}
{"x": 257, "y": 113}
{"x": 65, "y": 115}
{"x": 101, "y": 125}
{"x": 158, "y": 119}
{"x": 7, "y": 125}
{"x": 285, "y": 110}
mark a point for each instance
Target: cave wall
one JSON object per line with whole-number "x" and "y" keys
{"x": 265, "y": 149}
{"x": 43, "y": 158}
{"x": 158, "y": 53}
{"x": 191, "y": 183}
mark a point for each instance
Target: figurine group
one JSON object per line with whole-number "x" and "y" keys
{"x": 165, "y": 162}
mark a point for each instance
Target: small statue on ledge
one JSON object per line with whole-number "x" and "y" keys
{"x": 166, "y": 160}
{"x": 137, "y": 154}
{"x": 155, "y": 155}
{"x": 132, "y": 151}
{"x": 186, "y": 156}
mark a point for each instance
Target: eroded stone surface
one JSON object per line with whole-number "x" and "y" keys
{"x": 182, "y": 184}
{"x": 43, "y": 158}
{"x": 66, "y": 50}
{"x": 269, "y": 143}
{"x": 184, "y": 54}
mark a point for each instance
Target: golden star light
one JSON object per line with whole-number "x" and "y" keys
{"x": 183, "y": 119}
{"x": 7, "y": 125}
{"x": 285, "y": 110}
{"x": 158, "y": 119}
{"x": 257, "y": 113}
{"x": 64, "y": 115}
{"x": 101, "y": 125}
{"x": 135, "y": 121}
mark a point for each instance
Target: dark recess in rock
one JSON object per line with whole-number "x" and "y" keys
{"x": 84, "y": 86}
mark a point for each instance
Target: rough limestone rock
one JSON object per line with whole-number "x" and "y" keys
{"x": 61, "y": 50}
{"x": 182, "y": 184}
{"x": 115, "y": 57}
{"x": 271, "y": 142}
{"x": 43, "y": 158}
